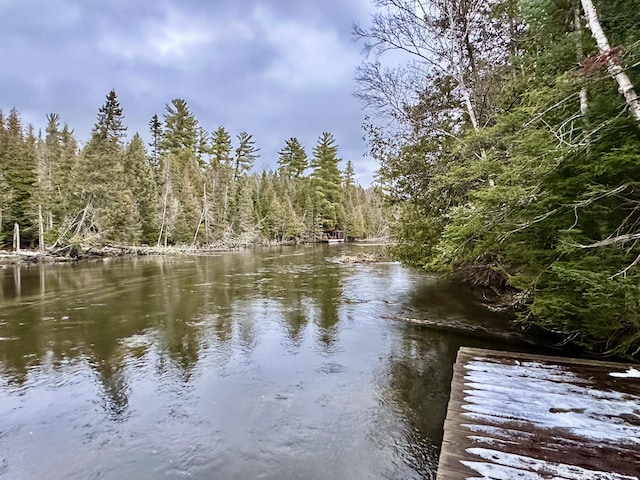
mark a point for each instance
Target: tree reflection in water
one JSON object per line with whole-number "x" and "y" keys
{"x": 278, "y": 358}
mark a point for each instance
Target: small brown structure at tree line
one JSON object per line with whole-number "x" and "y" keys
{"x": 334, "y": 236}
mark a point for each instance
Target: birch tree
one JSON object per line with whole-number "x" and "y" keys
{"x": 446, "y": 43}
{"x": 610, "y": 57}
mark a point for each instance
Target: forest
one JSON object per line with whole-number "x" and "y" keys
{"x": 187, "y": 186}
{"x": 508, "y": 133}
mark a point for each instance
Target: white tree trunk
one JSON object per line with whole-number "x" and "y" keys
{"x": 16, "y": 237}
{"x": 40, "y": 229}
{"x": 584, "y": 100}
{"x": 164, "y": 215}
{"x": 459, "y": 76}
{"x": 615, "y": 69}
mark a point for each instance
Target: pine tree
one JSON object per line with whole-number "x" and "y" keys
{"x": 327, "y": 181}
{"x": 292, "y": 161}
{"x": 221, "y": 148}
{"x": 180, "y": 128}
{"x": 203, "y": 147}
{"x": 245, "y": 155}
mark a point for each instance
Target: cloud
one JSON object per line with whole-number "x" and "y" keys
{"x": 308, "y": 56}
{"x": 273, "y": 68}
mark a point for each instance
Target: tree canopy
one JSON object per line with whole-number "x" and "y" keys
{"x": 190, "y": 187}
{"x": 508, "y": 138}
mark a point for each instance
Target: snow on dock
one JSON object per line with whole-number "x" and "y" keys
{"x": 528, "y": 417}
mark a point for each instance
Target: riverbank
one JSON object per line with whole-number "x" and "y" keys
{"x": 73, "y": 254}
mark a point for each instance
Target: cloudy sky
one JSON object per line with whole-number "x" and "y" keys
{"x": 273, "y": 68}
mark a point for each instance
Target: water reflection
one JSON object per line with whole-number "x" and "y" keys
{"x": 275, "y": 363}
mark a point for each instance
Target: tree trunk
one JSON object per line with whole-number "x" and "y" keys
{"x": 459, "y": 76}
{"x": 584, "y": 103}
{"x": 16, "y": 237}
{"x": 164, "y": 214}
{"x": 40, "y": 229}
{"x": 613, "y": 63}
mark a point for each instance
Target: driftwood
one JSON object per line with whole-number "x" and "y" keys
{"x": 73, "y": 252}
{"x": 362, "y": 258}
{"x": 463, "y": 328}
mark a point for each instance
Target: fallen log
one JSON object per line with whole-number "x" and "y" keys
{"x": 478, "y": 331}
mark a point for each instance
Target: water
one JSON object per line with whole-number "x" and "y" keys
{"x": 272, "y": 364}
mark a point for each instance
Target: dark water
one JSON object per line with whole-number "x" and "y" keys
{"x": 274, "y": 364}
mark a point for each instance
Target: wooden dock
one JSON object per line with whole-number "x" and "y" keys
{"x": 520, "y": 416}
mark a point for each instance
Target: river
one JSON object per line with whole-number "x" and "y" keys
{"x": 267, "y": 364}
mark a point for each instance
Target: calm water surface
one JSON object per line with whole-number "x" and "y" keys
{"x": 274, "y": 364}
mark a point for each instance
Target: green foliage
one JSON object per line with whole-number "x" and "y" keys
{"x": 141, "y": 182}
{"x": 545, "y": 196}
{"x": 155, "y": 128}
{"x": 245, "y": 155}
{"x": 18, "y": 164}
{"x": 292, "y": 161}
{"x": 188, "y": 189}
{"x": 221, "y": 148}
{"x": 180, "y": 128}
{"x": 327, "y": 180}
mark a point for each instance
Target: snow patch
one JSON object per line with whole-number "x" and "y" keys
{"x": 505, "y": 466}
{"x": 631, "y": 373}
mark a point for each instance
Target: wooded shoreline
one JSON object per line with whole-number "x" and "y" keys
{"x": 74, "y": 254}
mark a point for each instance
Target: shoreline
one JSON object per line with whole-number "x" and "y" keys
{"x": 72, "y": 253}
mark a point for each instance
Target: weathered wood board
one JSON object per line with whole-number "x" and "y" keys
{"x": 529, "y": 417}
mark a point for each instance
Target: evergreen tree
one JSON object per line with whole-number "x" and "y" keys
{"x": 221, "y": 148}
{"x": 155, "y": 128}
{"x": 66, "y": 170}
{"x": 141, "y": 183}
{"x": 349, "y": 175}
{"x": 292, "y": 161}
{"x": 104, "y": 188}
{"x": 245, "y": 155}
{"x": 180, "y": 145}
{"x": 5, "y": 192}
{"x": 537, "y": 193}
{"x": 180, "y": 128}
{"x": 18, "y": 165}
{"x": 203, "y": 148}
{"x": 327, "y": 181}
{"x": 49, "y": 162}
{"x": 110, "y": 124}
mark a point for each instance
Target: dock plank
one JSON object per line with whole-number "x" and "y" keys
{"x": 513, "y": 415}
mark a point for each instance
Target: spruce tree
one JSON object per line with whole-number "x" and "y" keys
{"x": 349, "y": 175}
{"x": 140, "y": 178}
{"x": 155, "y": 128}
{"x": 104, "y": 187}
{"x": 19, "y": 164}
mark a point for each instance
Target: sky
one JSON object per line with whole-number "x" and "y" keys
{"x": 273, "y": 68}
